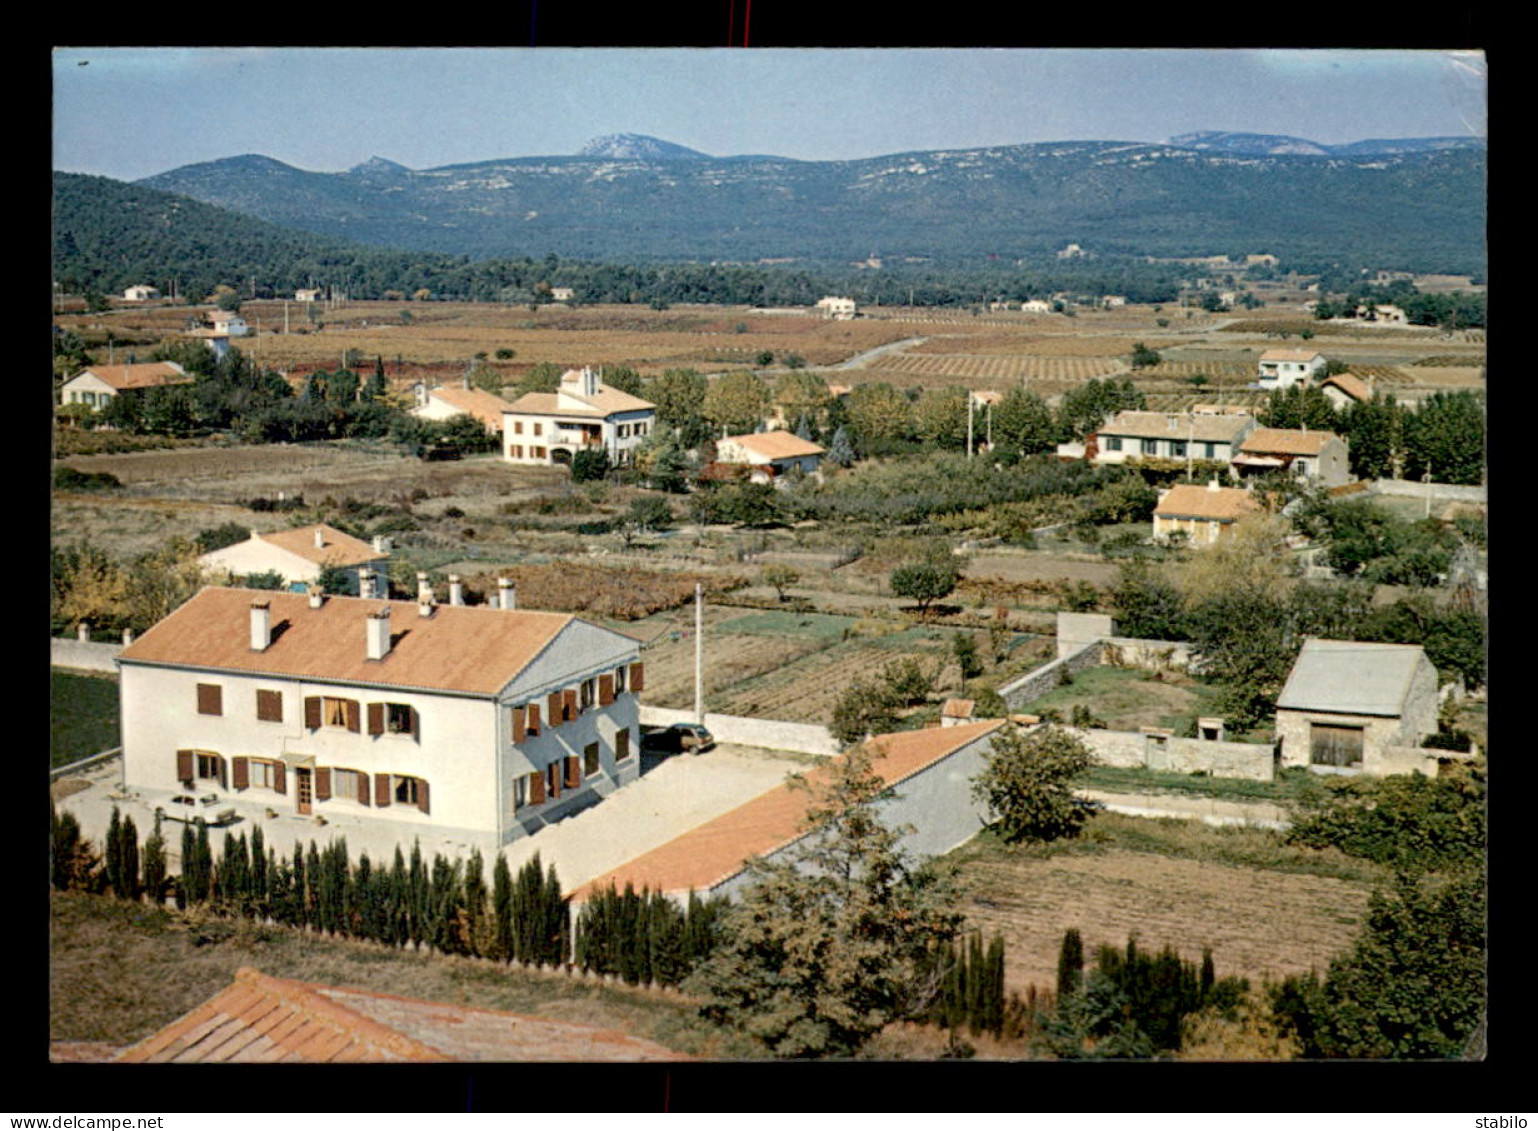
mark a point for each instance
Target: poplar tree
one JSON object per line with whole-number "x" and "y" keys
{"x": 502, "y": 910}
{"x": 115, "y": 854}
{"x": 155, "y": 865}
{"x": 189, "y": 868}
{"x": 259, "y": 891}
{"x": 476, "y": 941}
{"x": 130, "y": 859}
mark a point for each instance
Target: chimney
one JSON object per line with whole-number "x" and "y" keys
{"x": 255, "y": 534}
{"x": 128, "y": 637}
{"x": 456, "y": 590}
{"x": 83, "y": 632}
{"x": 320, "y": 538}
{"x": 377, "y": 625}
{"x": 261, "y": 625}
{"x": 381, "y": 544}
{"x": 317, "y": 597}
{"x": 365, "y": 583}
{"x": 424, "y": 590}
{"x": 506, "y": 594}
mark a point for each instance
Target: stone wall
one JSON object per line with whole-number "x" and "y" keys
{"x": 1033, "y": 685}
{"x": 1135, "y": 750}
{"x": 78, "y": 655}
{"x": 1075, "y": 630}
{"x": 772, "y": 734}
{"x": 1151, "y": 655}
{"x": 1442, "y": 492}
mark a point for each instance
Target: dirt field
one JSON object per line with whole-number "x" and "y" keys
{"x": 1258, "y": 923}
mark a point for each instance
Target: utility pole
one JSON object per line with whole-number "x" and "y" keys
{"x": 971, "y": 401}
{"x": 699, "y": 653}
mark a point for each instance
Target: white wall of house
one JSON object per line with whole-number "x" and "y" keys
{"x": 1113, "y": 448}
{"x": 529, "y": 438}
{"x": 1284, "y": 374}
{"x": 257, "y": 556}
{"x": 87, "y": 389}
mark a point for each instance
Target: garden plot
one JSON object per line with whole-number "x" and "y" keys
{"x": 1126, "y": 699}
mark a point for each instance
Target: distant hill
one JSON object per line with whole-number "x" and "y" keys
{"x": 1417, "y": 209}
{"x": 1267, "y": 145}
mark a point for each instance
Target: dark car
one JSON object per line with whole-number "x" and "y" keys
{"x": 678, "y": 738}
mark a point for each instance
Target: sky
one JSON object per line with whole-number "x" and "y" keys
{"x": 129, "y": 113}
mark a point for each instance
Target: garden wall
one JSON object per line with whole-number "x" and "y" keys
{"x": 1150, "y": 655}
{"x": 1134, "y": 750}
{"x": 772, "y": 734}
{"x": 1033, "y": 685}
{"x": 78, "y": 655}
{"x": 1446, "y": 492}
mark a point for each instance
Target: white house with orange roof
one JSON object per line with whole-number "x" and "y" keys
{"x": 1201, "y": 514}
{"x": 97, "y": 386}
{"x": 770, "y": 455}
{"x": 299, "y": 556}
{"x": 1283, "y": 368}
{"x": 480, "y": 721}
{"x": 1345, "y": 389}
{"x": 583, "y": 413}
{"x": 445, "y": 403}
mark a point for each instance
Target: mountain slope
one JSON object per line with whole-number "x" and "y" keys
{"x": 1026, "y": 200}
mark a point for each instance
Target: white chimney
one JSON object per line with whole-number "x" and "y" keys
{"x": 424, "y": 590}
{"x": 377, "y": 625}
{"x": 83, "y": 632}
{"x": 261, "y": 625}
{"x": 128, "y": 637}
{"x": 506, "y": 594}
{"x": 320, "y": 538}
{"x": 456, "y": 590}
{"x": 381, "y": 544}
{"x": 365, "y": 583}
{"x": 317, "y": 597}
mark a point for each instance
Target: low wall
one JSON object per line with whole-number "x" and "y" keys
{"x": 81, "y": 656}
{"x": 1033, "y": 685}
{"x": 773, "y": 734}
{"x": 1404, "y": 760}
{"x": 1446, "y": 492}
{"x": 1151, "y": 655}
{"x": 1133, "y": 750}
{"x": 1075, "y": 630}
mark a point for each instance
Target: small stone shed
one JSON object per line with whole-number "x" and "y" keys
{"x": 1354, "y": 707}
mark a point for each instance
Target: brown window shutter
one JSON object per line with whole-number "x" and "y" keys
{"x": 422, "y": 796}
{"x": 242, "y": 773}
{"x": 184, "y": 765}
{"x": 210, "y": 699}
{"x": 381, "y": 790}
{"x": 362, "y": 789}
{"x": 278, "y": 776}
{"x": 269, "y": 706}
{"x": 323, "y": 783}
{"x": 376, "y": 713}
{"x": 312, "y": 712}
{"x": 533, "y": 718}
{"x": 638, "y": 676}
{"x": 569, "y": 704}
{"x": 573, "y": 772}
{"x": 556, "y": 716}
{"x": 353, "y": 714}
{"x": 536, "y": 788}
{"x": 605, "y": 690}
{"x": 553, "y": 779}
{"x": 416, "y": 725}
{"x": 520, "y": 732}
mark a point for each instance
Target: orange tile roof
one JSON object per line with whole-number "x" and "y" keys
{"x": 263, "y": 1019}
{"x": 1286, "y": 441}
{"x": 712, "y": 853}
{"x": 1290, "y": 355}
{"x": 1206, "y": 427}
{"x": 606, "y": 402}
{"x": 775, "y": 445}
{"x": 1350, "y": 384}
{"x": 485, "y": 407}
{"x": 1189, "y": 500}
{"x": 469, "y": 649}
{"x": 338, "y": 549}
{"x": 141, "y": 376}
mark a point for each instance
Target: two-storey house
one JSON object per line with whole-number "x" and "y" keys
{"x": 1169, "y": 435}
{"x": 583, "y": 413}
{"x": 480, "y": 720}
{"x": 1306, "y": 453}
{"x": 1282, "y": 368}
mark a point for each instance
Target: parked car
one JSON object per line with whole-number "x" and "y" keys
{"x": 190, "y": 809}
{"x": 678, "y": 738}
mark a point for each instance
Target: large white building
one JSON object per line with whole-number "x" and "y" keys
{"x": 1282, "y": 368}
{"x": 583, "y": 413}
{"x": 481, "y": 720}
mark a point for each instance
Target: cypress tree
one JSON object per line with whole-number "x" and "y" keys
{"x": 314, "y": 912}
{"x": 502, "y": 910}
{"x": 1208, "y": 976}
{"x": 1070, "y": 965}
{"x": 203, "y": 874}
{"x": 155, "y": 865}
{"x": 557, "y": 916}
{"x": 130, "y": 859}
{"x": 474, "y": 898}
{"x": 115, "y": 854}
{"x": 367, "y": 923}
{"x": 260, "y": 893}
{"x": 395, "y": 901}
{"x": 299, "y": 884}
{"x": 977, "y": 984}
{"x": 189, "y": 867}
{"x": 416, "y": 897}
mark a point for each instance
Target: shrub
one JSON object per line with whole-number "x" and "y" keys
{"x": 69, "y": 479}
{"x": 1027, "y": 784}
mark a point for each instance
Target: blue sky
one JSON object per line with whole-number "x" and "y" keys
{"x": 132, "y": 112}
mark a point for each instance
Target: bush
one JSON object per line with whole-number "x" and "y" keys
{"x": 69, "y": 479}
{"x": 1027, "y": 784}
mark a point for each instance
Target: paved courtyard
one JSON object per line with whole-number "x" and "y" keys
{"x": 670, "y": 798}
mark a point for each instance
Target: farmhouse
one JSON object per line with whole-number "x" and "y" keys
{"x": 1349, "y": 706}
{"x": 1202, "y": 514}
{"x": 260, "y": 1019}
{"x": 582, "y": 414}
{"x": 769, "y": 455}
{"x": 1036, "y": 306}
{"x": 299, "y": 555}
{"x": 838, "y": 309}
{"x": 930, "y": 772}
{"x": 1132, "y": 434}
{"x": 1317, "y": 455}
{"x": 562, "y": 294}
{"x": 307, "y": 294}
{"x": 96, "y": 386}
{"x": 1345, "y": 389}
{"x": 141, "y": 293}
{"x": 479, "y": 721}
{"x": 447, "y": 403}
{"x": 227, "y": 323}
{"x": 1282, "y": 368}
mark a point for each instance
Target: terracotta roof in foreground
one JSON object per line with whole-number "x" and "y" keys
{"x": 263, "y": 1019}
{"x": 714, "y": 852}
{"x": 469, "y": 649}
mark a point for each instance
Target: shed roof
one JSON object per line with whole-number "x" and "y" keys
{"x": 714, "y": 852}
{"x": 1351, "y": 678}
{"x": 474, "y": 650}
{"x": 262, "y": 1019}
{"x": 775, "y": 445}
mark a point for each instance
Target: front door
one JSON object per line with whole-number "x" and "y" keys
{"x": 303, "y": 792}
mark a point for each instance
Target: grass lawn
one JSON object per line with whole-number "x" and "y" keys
{"x": 82, "y": 716}
{"x": 818, "y": 625}
{"x": 1125, "y": 699}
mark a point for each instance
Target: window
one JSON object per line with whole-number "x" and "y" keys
{"x": 586, "y": 701}
{"x": 622, "y": 745}
{"x": 338, "y": 712}
{"x": 1113, "y": 443}
{"x": 517, "y": 428}
{"x": 520, "y": 793}
{"x": 210, "y": 699}
{"x": 348, "y": 784}
{"x": 400, "y": 719}
{"x": 210, "y": 767}
{"x": 590, "y": 762}
{"x": 1150, "y": 447}
{"x": 573, "y": 771}
{"x": 269, "y": 706}
{"x": 620, "y": 682}
{"x": 553, "y": 779}
{"x": 537, "y": 453}
{"x": 1210, "y": 451}
{"x": 539, "y": 429}
{"x": 262, "y": 774}
{"x": 516, "y": 451}
{"x": 408, "y": 791}
{"x": 1335, "y": 745}
{"x": 1177, "y": 448}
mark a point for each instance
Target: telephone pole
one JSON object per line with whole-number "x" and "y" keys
{"x": 699, "y": 653}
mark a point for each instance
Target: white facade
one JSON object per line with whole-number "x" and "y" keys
{"x": 1281, "y": 369}
{"x": 308, "y": 745}
{"x": 298, "y": 557}
{"x": 141, "y": 293}
{"x": 582, "y": 414}
{"x": 228, "y": 324}
{"x": 838, "y": 309}
{"x": 1036, "y": 306}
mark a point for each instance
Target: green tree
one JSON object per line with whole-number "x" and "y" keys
{"x": 1070, "y": 964}
{"x": 155, "y": 865}
{"x": 1027, "y": 784}
{"x": 1085, "y": 407}
{"x": 924, "y": 582}
{"x": 834, "y": 940}
{"x": 964, "y": 648}
{"x": 736, "y": 403}
{"x": 878, "y": 414}
{"x": 1374, "y": 432}
{"x": 1446, "y": 435}
{"x": 840, "y": 450}
{"x": 861, "y": 710}
{"x": 940, "y": 417}
{"x": 589, "y": 465}
{"x": 1023, "y": 425}
{"x": 780, "y": 577}
{"x": 679, "y": 397}
{"x": 1143, "y": 357}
